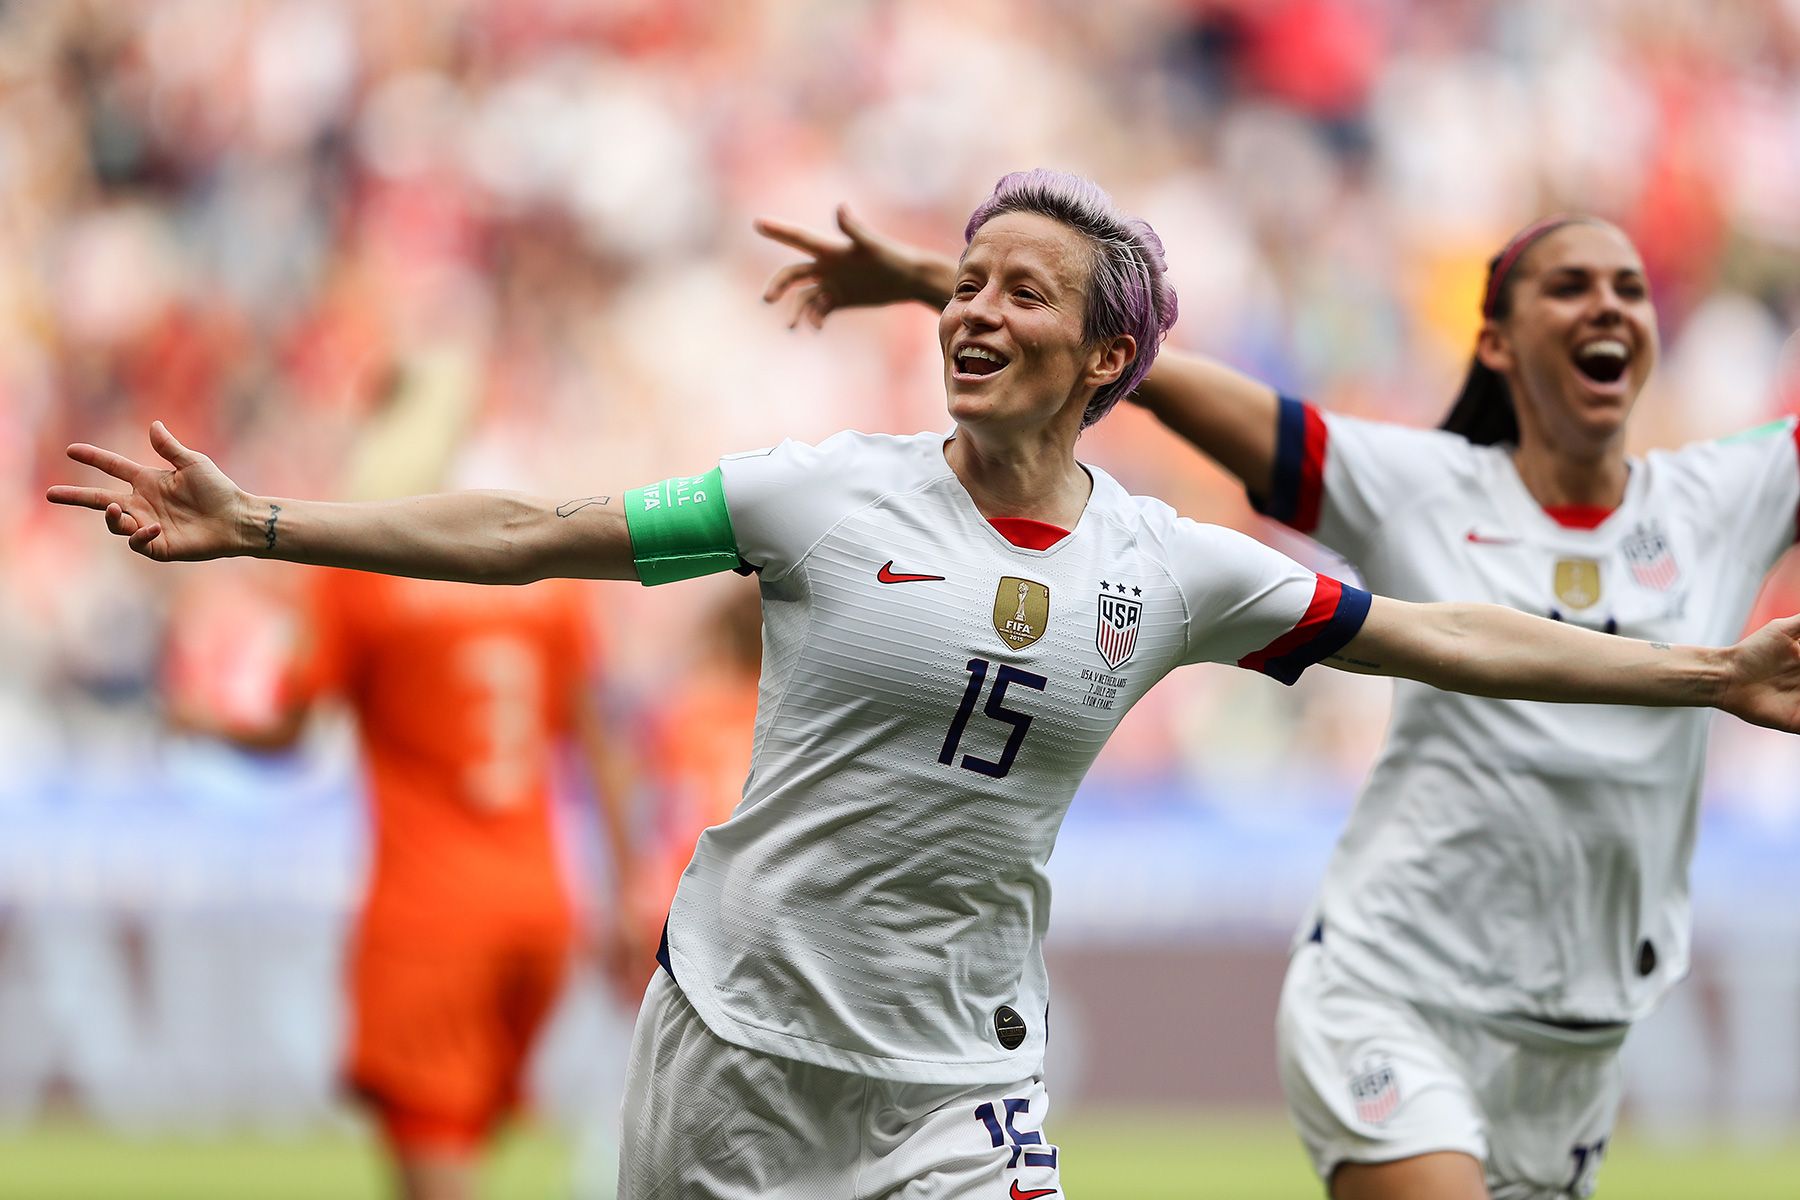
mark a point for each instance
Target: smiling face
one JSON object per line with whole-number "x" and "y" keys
{"x": 1578, "y": 340}
{"x": 1012, "y": 334}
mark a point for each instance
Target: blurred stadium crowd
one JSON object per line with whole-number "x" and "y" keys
{"x": 251, "y": 220}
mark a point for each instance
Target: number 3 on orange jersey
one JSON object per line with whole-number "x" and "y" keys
{"x": 508, "y": 678}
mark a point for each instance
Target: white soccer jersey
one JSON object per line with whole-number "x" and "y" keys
{"x": 1529, "y": 858}
{"x": 931, "y": 696}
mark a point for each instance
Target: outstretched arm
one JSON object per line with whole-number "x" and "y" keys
{"x": 193, "y": 511}
{"x": 1486, "y": 650}
{"x": 1221, "y": 412}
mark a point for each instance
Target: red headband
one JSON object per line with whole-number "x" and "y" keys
{"x": 1508, "y": 257}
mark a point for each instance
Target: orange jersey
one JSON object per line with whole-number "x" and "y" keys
{"x": 462, "y": 694}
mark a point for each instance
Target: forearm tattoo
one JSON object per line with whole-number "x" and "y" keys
{"x": 1355, "y": 662}
{"x": 1660, "y": 646}
{"x": 269, "y": 526}
{"x": 569, "y": 508}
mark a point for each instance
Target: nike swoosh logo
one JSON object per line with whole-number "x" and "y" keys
{"x": 1482, "y": 539}
{"x": 887, "y": 574}
{"x": 1033, "y": 1194}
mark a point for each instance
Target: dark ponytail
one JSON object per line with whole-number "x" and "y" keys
{"x": 1484, "y": 411}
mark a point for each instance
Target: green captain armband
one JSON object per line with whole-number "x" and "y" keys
{"x": 680, "y": 528}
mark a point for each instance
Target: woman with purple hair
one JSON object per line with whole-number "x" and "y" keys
{"x": 1511, "y": 892}
{"x": 852, "y": 1000}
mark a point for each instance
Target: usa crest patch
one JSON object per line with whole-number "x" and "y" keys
{"x": 1651, "y": 561}
{"x": 1375, "y": 1093}
{"x": 1116, "y": 631}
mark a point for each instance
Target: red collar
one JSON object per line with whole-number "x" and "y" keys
{"x": 1578, "y": 516}
{"x": 1028, "y": 534}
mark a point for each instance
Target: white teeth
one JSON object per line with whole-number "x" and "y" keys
{"x": 978, "y": 352}
{"x": 1605, "y": 348}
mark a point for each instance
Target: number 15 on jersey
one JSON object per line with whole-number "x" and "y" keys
{"x": 1004, "y": 678}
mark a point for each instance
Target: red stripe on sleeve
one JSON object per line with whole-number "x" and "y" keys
{"x": 1326, "y": 594}
{"x": 1312, "y": 473}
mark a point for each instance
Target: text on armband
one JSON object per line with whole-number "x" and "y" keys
{"x": 675, "y": 493}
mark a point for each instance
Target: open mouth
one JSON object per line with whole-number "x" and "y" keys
{"x": 978, "y": 362}
{"x": 1603, "y": 360}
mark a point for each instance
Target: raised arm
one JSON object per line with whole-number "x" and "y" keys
{"x": 1221, "y": 412}
{"x": 193, "y": 511}
{"x": 860, "y": 269}
{"x": 1486, "y": 650}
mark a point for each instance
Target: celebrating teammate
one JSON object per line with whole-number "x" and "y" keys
{"x": 1511, "y": 891}
{"x": 853, "y": 996}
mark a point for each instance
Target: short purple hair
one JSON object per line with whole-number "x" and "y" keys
{"x": 1130, "y": 291}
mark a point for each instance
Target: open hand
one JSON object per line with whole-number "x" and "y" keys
{"x": 187, "y": 514}
{"x": 1764, "y": 683}
{"x": 860, "y": 269}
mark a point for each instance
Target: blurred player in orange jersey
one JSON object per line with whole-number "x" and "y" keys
{"x": 462, "y": 697}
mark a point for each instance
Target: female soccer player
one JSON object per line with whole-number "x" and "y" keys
{"x": 853, "y": 996}
{"x": 1511, "y": 890}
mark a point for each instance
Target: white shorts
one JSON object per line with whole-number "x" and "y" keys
{"x": 1370, "y": 1078}
{"x": 707, "y": 1120}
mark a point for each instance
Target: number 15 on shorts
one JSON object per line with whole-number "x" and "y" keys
{"x": 1027, "y": 1144}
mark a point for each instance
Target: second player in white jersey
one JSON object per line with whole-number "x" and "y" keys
{"x": 933, "y": 694}
{"x": 1591, "y": 925}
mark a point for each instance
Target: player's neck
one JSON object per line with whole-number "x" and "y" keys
{"x": 1036, "y": 479}
{"x": 1557, "y": 480}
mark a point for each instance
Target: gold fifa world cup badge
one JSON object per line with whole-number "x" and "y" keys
{"x": 1021, "y": 611}
{"x": 1577, "y": 582}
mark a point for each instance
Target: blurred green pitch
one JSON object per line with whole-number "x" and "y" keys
{"x": 1161, "y": 1157}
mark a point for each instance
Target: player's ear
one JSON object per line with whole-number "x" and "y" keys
{"x": 1493, "y": 348}
{"x": 1109, "y": 359}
